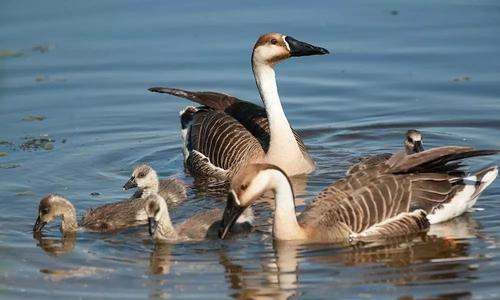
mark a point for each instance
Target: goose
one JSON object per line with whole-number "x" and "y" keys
{"x": 196, "y": 228}
{"x": 412, "y": 144}
{"x": 364, "y": 206}
{"x": 106, "y": 218}
{"x": 226, "y": 133}
{"x": 145, "y": 179}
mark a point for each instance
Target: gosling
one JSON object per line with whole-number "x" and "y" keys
{"x": 145, "y": 179}
{"x": 199, "y": 227}
{"x": 106, "y": 218}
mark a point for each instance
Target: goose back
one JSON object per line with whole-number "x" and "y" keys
{"x": 115, "y": 216}
{"x": 226, "y": 132}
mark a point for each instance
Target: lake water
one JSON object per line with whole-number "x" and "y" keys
{"x": 85, "y": 66}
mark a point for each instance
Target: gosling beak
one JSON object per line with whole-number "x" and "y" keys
{"x": 417, "y": 147}
{"x": 153, "y": 224}
{"x": 298, "y": 48}
{"x": 39, "y": 225}
{"x": 231, "y": 213}
{"x": 130, "y": 184}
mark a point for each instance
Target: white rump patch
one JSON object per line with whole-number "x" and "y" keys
{"x": 458, "y": 205}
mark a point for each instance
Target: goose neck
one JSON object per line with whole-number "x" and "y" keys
{"x": 282, "y": 144}
{"x": 285, "y": 224}
{"x": 165, "y": 230}
{"x": 68, "y": 216}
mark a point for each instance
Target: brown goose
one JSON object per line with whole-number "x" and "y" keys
{"x": 363, "y": 205}
{"x": 198, "y": 227}
{"x": 226, "y": 133}
{"x": 106, "y": 218}
{"x": 412, "y": 144}
{"x": 145, "y": 179}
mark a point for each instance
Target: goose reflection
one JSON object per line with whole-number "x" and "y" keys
{"x": 56, "y": 246}
{"x": 275, "y": 278}
{"x": 444, "y": 254}
{"x": 160, "y": 260}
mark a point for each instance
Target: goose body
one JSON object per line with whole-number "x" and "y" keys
{"x": 225, "y": 133}
{"x": 198, "y": 227}
{"x": 401, "y": 199}
{"x": 106, "y": 218}
{"x": 145, "y": 179}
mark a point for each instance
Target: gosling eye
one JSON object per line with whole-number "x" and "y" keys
{"x": 45, "y": 210}
{"x": 410, "y": 140}
{"x": 274, "y": 41}
{"x": 141, "y": 175}
{"x": 243, "y": 187}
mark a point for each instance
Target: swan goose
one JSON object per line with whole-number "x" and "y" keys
{"x": 225, "y": 133}
{"x": 399, "y": 199}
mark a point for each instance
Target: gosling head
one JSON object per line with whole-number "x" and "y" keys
{"x": 50, "y": 208}
{"x": 272, "y": 48}
{"x": 155, "y": 207}
{"x": 413, "y": 142}
{"x": 246, "y": 187}
{"x": 144, "y": 178}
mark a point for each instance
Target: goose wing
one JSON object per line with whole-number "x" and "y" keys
{"x": 435, "y": 158}
{"x": 368, "y": 162}
{"x": 218, "y": 143}
{"x": 172, "y": 190}
{"x": 403, "y": 224}
{"x": 359, "y": 208}
{"x": 201, "y": 225}
{"x": 253, "y": 117}
{"x": 115, "y": 216}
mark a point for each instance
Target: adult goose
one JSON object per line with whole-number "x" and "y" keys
{"x": 225, "y": 133}
{"x": 364, "y": 205}
{"x": 412, "y": 144}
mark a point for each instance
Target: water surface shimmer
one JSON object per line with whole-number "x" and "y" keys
{"x": 85, "y": 66}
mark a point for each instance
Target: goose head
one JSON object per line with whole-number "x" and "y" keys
{"x": 50, "y": 208}
{"x": 413, "y": 142}
{"x": 272, "y": 48}
{"x": 155, "y": 208}
{"x": 143, "y": 177}
{"x": 246, "y": 187}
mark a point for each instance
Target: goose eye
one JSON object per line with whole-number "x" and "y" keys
{"x": 274, "y": 41}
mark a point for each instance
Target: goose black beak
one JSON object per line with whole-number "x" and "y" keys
{"x": 417, "y": 147}
{"x": 39, "y": 225}
{"x": 130, "y": 184}
{"x": 152, "y": 224}
{"x": 231, "y": 213}
{"x": 298, "y": 48}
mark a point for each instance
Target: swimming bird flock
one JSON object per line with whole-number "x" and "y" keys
{"x": 254, "y": 150}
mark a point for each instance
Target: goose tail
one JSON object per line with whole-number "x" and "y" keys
{"x": 217, "y": 101}
{"x": 470, "y": 188}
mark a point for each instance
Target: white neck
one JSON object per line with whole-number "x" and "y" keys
{"x": 151, "y": 189}
{"x": 285, "y": 226}
{"x": 282, "y": 145}
{"x": 165, "y": 229}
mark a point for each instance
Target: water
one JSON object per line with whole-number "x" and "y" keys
{"x": 397, "y": 65}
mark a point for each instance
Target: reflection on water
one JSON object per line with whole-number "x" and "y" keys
{"x": 56, "y": 246}
{"x": 78, "y": 73}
